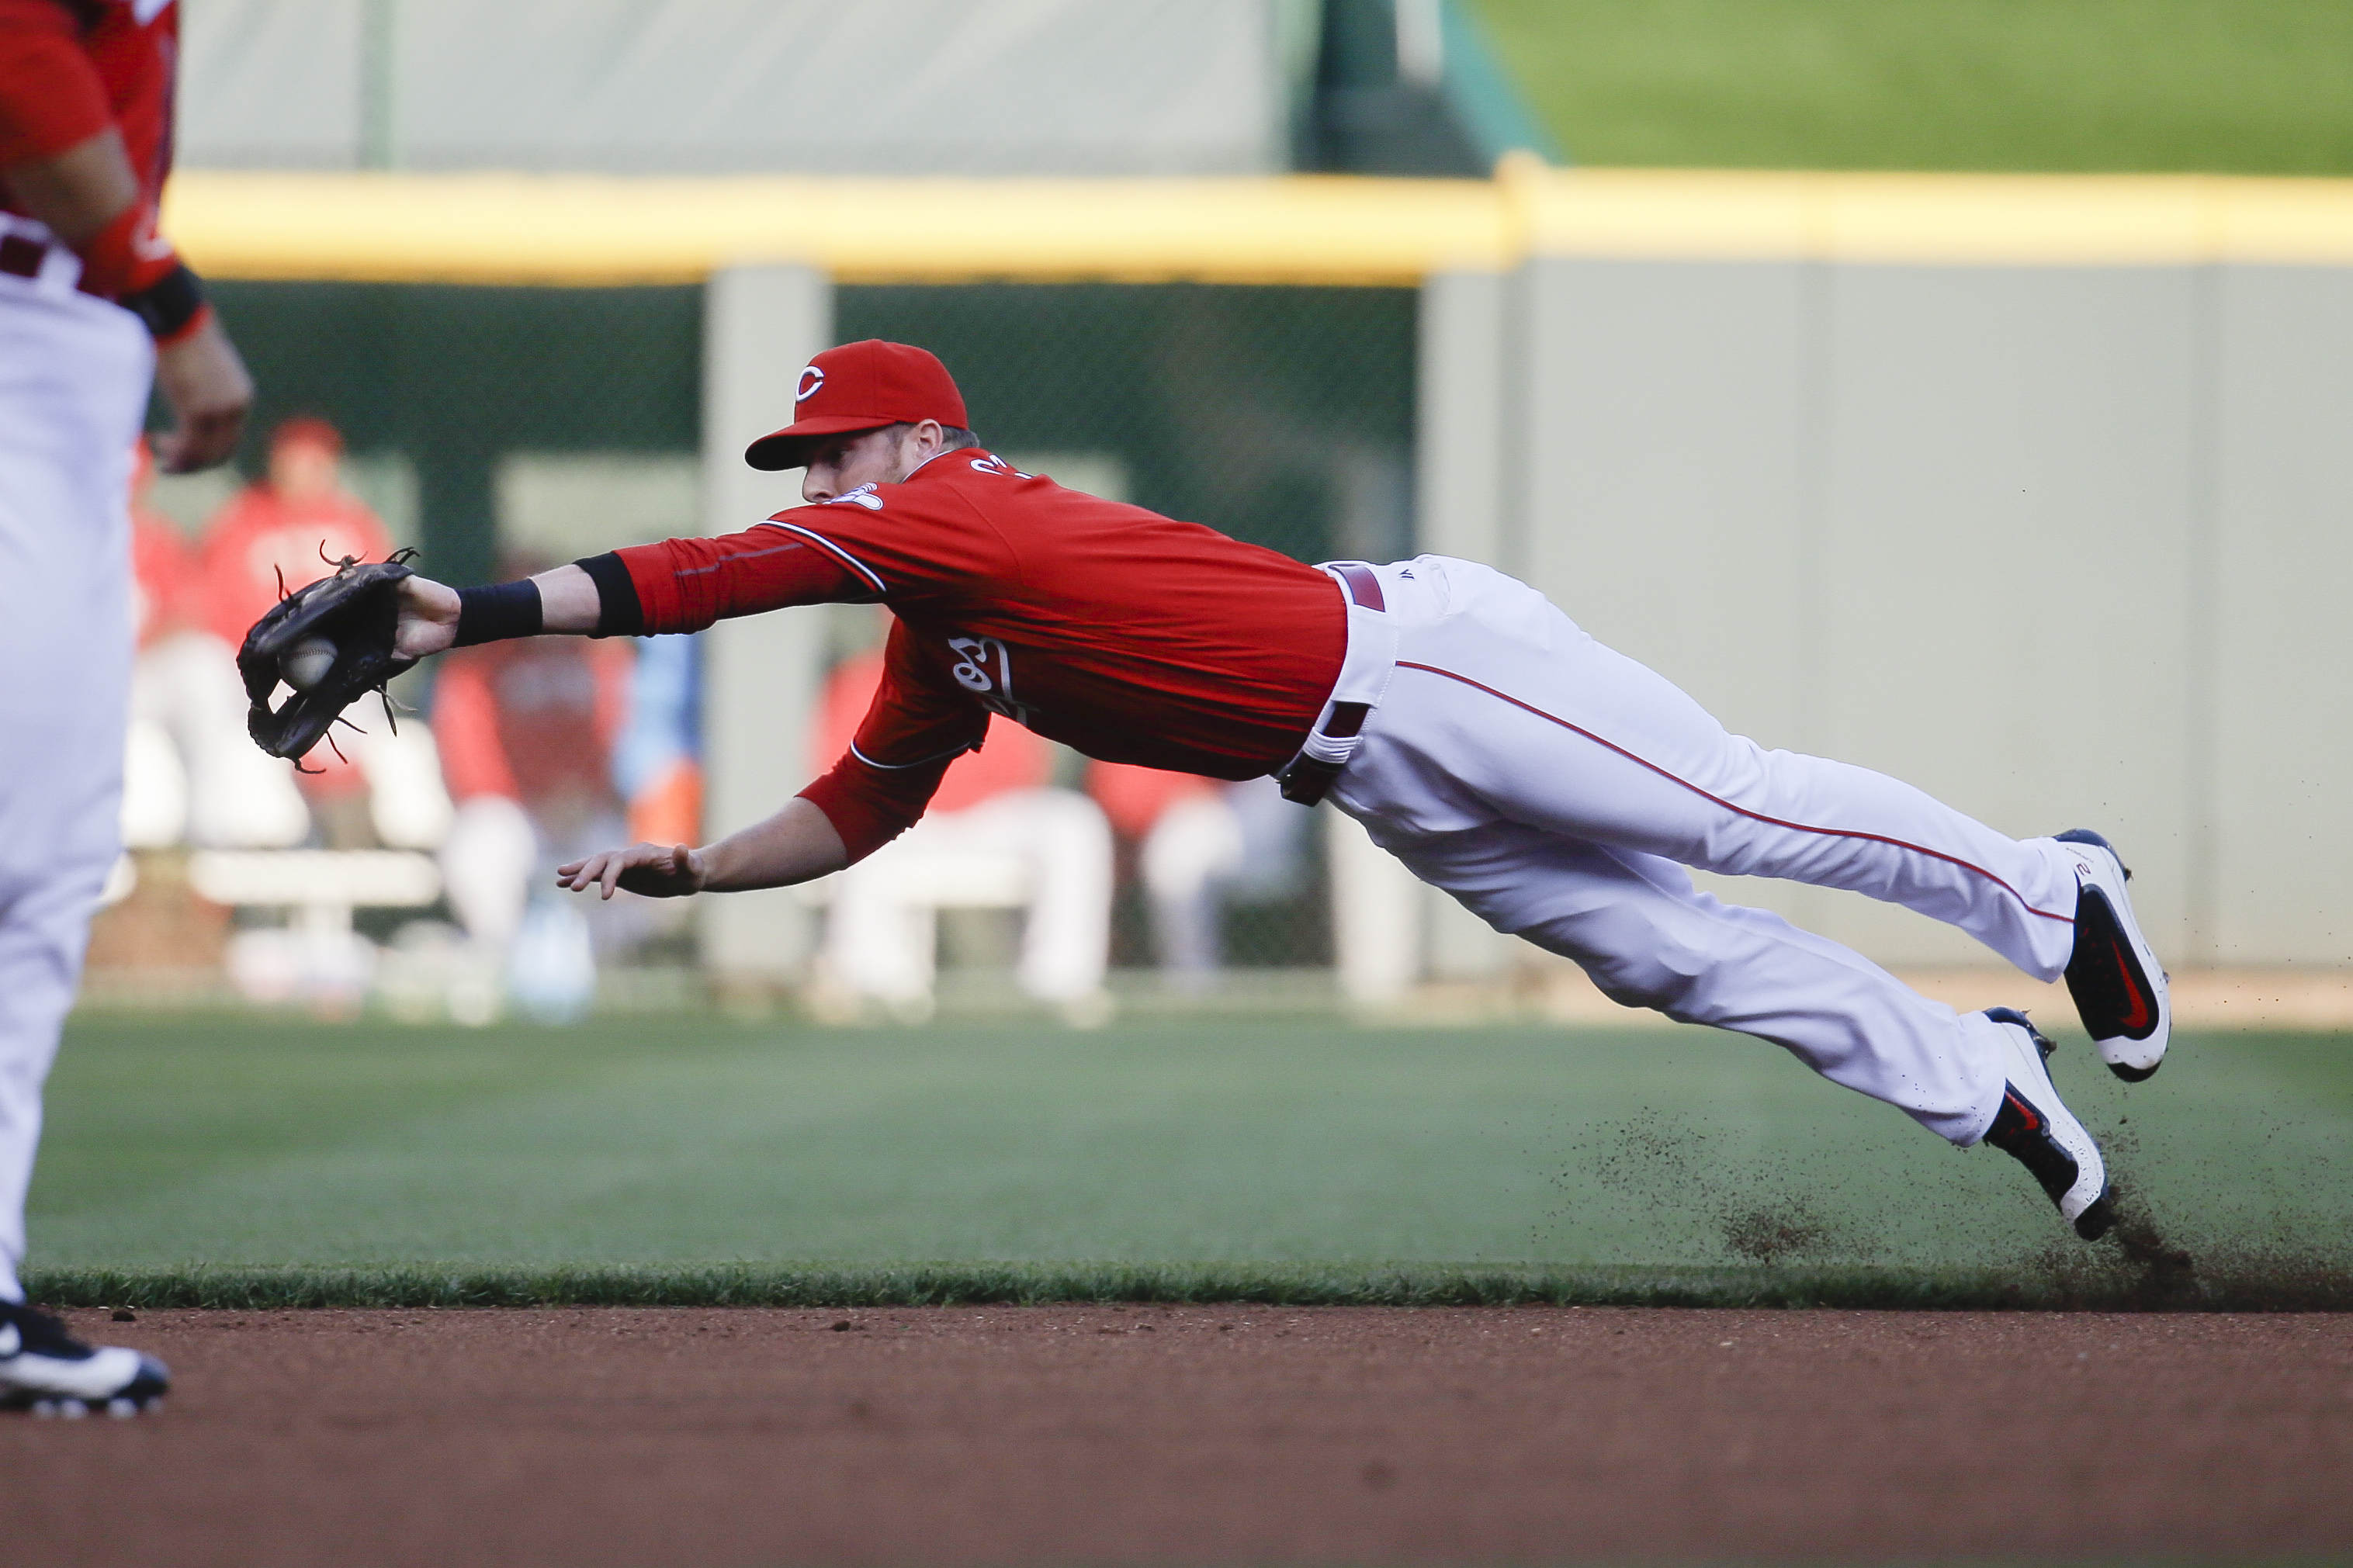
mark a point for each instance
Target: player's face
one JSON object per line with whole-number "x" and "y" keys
{"x": 302, "y": 470}
{"x": 870, "y": 457}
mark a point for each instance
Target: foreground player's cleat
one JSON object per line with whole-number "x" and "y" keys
{"x": 45, "y": 1370}
{"x": 2118, "y": 987}
{"x": 2035, "y": 1127}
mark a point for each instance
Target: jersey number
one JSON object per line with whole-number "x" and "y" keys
{"x": 983, "y": 669}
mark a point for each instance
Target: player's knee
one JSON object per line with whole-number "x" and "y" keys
{"x": 1635, "y": 960}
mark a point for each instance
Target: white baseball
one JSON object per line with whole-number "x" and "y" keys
{"x": 307, "y": 662}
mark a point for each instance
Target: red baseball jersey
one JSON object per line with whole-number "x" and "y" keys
{"x": 70, "y": 69}
{"x": 1128, "y": 636}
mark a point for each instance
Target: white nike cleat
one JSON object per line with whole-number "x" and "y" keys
{"x": 2118, "y": 987}
{"x": 2035, "y": 1127}
{"x": 44, "y": 1369}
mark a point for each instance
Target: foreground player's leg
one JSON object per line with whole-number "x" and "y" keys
{"x": 1635, "y": 923}
{"x": 1501, "y": 707}
{"x": 73, "y": 384}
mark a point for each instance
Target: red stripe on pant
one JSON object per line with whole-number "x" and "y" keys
{"x": 1738, "y": 810}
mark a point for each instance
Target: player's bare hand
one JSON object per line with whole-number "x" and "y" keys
{"x": 205, "y": 384}
{"x": 653, "y": 870}
{"x": 428, "y": 618}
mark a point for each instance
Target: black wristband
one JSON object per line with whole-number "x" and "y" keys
{"x": 620, "y": 613}
{"x": 498, "y": 612}
{"x": 169, "y": 303}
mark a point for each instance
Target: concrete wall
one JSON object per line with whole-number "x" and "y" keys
{"x": 916, "y": 87}
{"x": 2276, "y": 873}
{"x": 2059, "y": 544}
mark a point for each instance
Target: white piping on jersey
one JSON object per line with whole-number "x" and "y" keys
{"x": 852, "y": 562}
{"x": 901, "y": 767}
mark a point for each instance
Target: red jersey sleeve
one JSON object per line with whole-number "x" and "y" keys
{"x": 915, "y": 726}
{"x": 50, "y": 95}
{"x": 898, "y": 542}
{"x": 684, "y": 584}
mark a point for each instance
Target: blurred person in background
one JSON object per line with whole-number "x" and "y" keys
{"x": 527, "y": 733}
{"x": 998, "y": 803}
{"x": 190, "y": 772}
{"x": 283, "y": 533}
{"x": 377, "y": 787}
{"x": 96, "y": 310}
{"x": 1200, "y": 843}
{"x": 162, "y": 564}
{"x": 154, "y": 779}
{"x": 657, "y": 761}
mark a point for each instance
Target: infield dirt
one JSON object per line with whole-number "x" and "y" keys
{"x": 1104, "y": 1434}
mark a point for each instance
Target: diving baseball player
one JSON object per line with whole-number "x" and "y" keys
{"x": 94, "y": 307}
{"x": 1558, "y": 789}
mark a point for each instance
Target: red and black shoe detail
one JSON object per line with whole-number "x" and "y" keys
{"x": 2112, "y": 988}
{"x": 2023, "y": 1128}
{"x": 2024, "y": 1133}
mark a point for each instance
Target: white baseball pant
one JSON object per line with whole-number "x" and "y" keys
{"x": 74, "y": 373}
{"x": 1558, "y": 789}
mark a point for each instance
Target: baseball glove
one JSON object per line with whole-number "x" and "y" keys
{"x": 331, "y": 642}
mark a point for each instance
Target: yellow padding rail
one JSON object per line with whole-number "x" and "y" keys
{"x": 1305, "y": 229}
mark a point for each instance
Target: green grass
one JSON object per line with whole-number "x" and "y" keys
{"x": 2260, "y": 87}
{"x": 692, "y": 1159}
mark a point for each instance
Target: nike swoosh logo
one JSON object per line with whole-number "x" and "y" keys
{"x": 2142, "y": 1014}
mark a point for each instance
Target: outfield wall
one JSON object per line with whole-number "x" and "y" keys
{"x": 2061, "y": 544}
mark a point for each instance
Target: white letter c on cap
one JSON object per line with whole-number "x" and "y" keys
{"x": 812, "y": 377}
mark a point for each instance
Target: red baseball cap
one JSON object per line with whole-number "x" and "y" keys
{"x": 860, "y": 386}
{"x": 308, "y": 430}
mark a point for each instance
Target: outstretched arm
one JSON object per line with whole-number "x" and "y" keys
{"x": 430, "y": 611}
{"x": 916, "y": 725}
{"x": 796, "y": 844}
{"x": 759, "y": 570}
{"x": 678, "y": 586}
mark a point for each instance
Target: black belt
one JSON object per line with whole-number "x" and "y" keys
{"x": 21, "y": 257}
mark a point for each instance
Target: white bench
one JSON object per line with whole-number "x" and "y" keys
{"x": 321, "y": 886}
